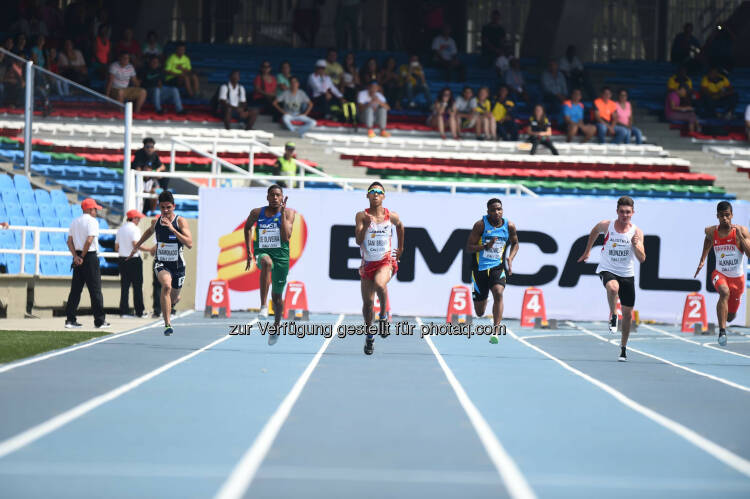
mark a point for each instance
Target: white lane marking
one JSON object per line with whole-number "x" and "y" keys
{"x": 560, "y": 335}
{"x": 699, "y": 343}
{"x": 509, "y": 472}
{"x": 722, "y": 454}
{"x": 243, "y": 473}
{"x": 36, "y": 432}
{"x": 662, "y": 359}
{"x": 34, "y": 360}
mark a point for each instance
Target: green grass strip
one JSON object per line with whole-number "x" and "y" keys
{"x": 16, "y": 345}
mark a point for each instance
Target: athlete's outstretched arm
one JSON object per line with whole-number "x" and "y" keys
{"x": 513, "y": 242}
{"x": 708, "y": 243}
{"x": 183, "y": 235}
{"x": 361, "y": 221}
{"x": 251, "y": 219}
{"x": 473, "y": 241}
{"x": 287, "y": 221}
{"x": 638, "y": 249}
{"x": 401, "y": 232}
{"x": 149, "y": 232}
{"x": 743, "y": 238}
{"x": 598, "y": 229}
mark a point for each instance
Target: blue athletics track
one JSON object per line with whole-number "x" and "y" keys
{"x": 544, "y": 413}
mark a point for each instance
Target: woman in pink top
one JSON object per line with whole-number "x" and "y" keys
{"x": 625, "y": 117}
{"x": 674, "y": 111}
{"x": 265, "y": 89}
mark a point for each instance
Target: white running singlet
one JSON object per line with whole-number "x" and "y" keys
{"x": 377, "y": 242}
{"x": 617, "y": 252}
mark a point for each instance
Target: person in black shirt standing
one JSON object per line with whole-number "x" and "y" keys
{"x": 493, "y": 40}
{"x": 540, "y": 130}
{"x": 152, "y": 79}
{"x": 148, "y": 158}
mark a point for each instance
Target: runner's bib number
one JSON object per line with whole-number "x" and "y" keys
{"x": 270, "y": 237}
{"x": 167, "y": 252}
{"x": 495, "y": 252}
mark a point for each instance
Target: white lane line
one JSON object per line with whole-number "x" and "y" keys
{"x": 510, "y": 474}
{"x": 36, "y": 432}
{"x": 699, "y": 343}
{"x": 34, "y": 360}
{"x": 243, "y": 473}
{"x": 662, "y": 359}
{"x": 560, "y": 335}
{"x": 722, "y": 454}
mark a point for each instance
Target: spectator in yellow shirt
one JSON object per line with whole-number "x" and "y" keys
{"x": 502, "y": 112}
{"x": 180, "y": 71}
{"x": 679, "y": 78}
{"x": 412, "y": 75}
{"x": 718, "y": 97}
{"x": 485, "y": 119}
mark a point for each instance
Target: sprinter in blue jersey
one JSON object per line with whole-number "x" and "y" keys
{"x": 172, "y": 233}
{"x": 490, "y": 268}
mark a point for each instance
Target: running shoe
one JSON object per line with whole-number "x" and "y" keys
{"x": 263, "y": 313}
{"x": 369, "y": 345}
{"x": 722, "y": 337}
{"x": 273, "y": 338}
{"x": 623, "y": 355}
{"x": 168, "y": 330}
{"x": 104, "y": 325}
{"x": 613, "y": 324}
{"x": 493, "y": 339}
{"x": 371, "y": 133}
{"x": 72, "y": 325}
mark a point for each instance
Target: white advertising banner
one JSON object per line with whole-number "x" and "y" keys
{"x": 552, "y": 234}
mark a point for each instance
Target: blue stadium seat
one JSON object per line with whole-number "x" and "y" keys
{"x": 46, "y": 210}
{"x": 7, "y": 241}
{"x": 103, "y": 223}
{"x": 34, "y": 220}
{"x": 40, "y": 157}
{"x": 16, "y": 219}
{"x": 29, "y": 264}
{"x": 42, "y": 197}
{"x": 51, "y": 221}
{"x": 29, "y": 209}
{"x": 22, "y": 183}
{"x": 58, "y": 241}
{"x": 58, "y": 197}
{"x": 47, "y": 265}
{"x": 13, "y": 262}
{"x": 56, "y": 171}
{"x": 65, "y": 221}
{"x": 40, "y": 169}
{"x": 75, "y": 210}
{"x": 25, "y": 196}
{"x": 6, "y": 183}
{"x": 44, "y": 243}
{"x": 63, "y": 265}
{"x": 73, "y": 172}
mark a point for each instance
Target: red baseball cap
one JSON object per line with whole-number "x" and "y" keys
{"x": 134, "y": 214}
{"x": 89, "y": 203}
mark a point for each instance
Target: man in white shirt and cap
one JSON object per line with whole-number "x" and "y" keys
{"x": 323, "y": 92}
{"x": 131, "y": 270}
{"x": 372, "y": 107}
{"x": 83, "y": 243}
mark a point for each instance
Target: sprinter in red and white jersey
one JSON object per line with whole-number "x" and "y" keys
{"x": 373, "y": 233}
{"x": 730, "y": 243}
{"x": 623, "y": 242}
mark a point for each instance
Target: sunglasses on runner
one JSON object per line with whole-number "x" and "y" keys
{"x": 375, "y": 191}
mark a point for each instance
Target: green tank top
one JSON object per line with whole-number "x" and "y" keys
{"x": 268, "y": 236}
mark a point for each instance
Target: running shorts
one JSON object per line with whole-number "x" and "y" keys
{"x": 483, "y": 280}
{"x": 626, "y": 290}
{"x": 736, "y": 287}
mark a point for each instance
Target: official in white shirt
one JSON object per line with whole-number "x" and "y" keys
{"x": 131, "y": 270}
{"x": 233, "y": 103}
{"x": 83, "y": 243}
{"x": 323, "y": 92}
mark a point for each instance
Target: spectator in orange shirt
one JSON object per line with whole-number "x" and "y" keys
{"x": 102, "y": 51}
{"x": 605, "y": 118}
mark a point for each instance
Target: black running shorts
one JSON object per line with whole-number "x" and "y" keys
{"x": 627, "y": 287}
{"x": 484, "y": 280}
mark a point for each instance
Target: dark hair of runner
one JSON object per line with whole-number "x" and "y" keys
{"x": 724, "y": 206}
{"x": 166, "y": 197}
{"x": 625, "y": 201}
{"x": 374, "y": 184}
{"x": 493, "y": 201}
{"x": 274, "y": 186}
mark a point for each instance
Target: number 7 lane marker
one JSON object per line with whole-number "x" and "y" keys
{"x": 509, "y": 472}
{"x": 662, "y": 359}
{"x": 724, "y": 455}
{"x": 243, "y": 473}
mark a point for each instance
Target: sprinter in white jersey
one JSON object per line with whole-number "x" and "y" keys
{"x": 622, "y": 242}
{"x": 730, "y": 245}
{"x": 373, "y": 233}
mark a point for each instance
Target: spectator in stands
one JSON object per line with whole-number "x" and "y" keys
{"x": 63, "y": 88}
{"x": 719, "y": 47}
{"x": 282, "y": 78}
{"x": 685, "y": 47}
{"x": 572, "y": 67}
{"x": 350, "y": 78}
{"x": 443, "y": 110}
{"x": 152, "y": 46}
{"x": 264, "y": 91}
{"x": 554, "y": 88}
{"x": 152, "y": 79}
{"x": 286, "y": 165}
{"x": 83, "y": 243}
{"x": 102, "y": 49}
{"x": 413, "y": 79}
{"x": 493, "y": 39}
{"x": 121, "y": 76}
{"x": 71, "y": 63}
{"x": 573, "y": 116}
{"x": 324, "y": 93}
{"x": 14, "y": 83}
{"x": 625, "y": 117}
{"x": 233, "y": 103}
{"x": 38, "y": 52}
{"x": 502, "y": 65}
{"x": 540, "y": 130}
{"x": 373, "y": 106}
{"x": 445, "y": 55}
{"x": 369, "y": 72}
{"x": 717, "y": 95}
{"x": 605, "y": 118}
{"x": 3, "y": 70}
{"x": 20, "y": 48}
{"x": 130, "y": 45}
{"x": 466, "y": 103}
{"x": 390, "y": 82}
{"x": 180, "y": 71}
{"x": 747, "y": 122}
{"x": 131, "y": 269}
{"x": 678, "y": 79}
{"x": 333, "y": 68}
{"x": 147, "y": 159}
{"x": 486, "y": 128}
{"x": 502, "y": 111}
{"x": 295, "y": 105}
{"x": 515, "y": 81}
{"x": 676, "y": 110}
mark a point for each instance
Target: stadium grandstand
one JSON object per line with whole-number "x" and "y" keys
{"x": 565, "y": 112}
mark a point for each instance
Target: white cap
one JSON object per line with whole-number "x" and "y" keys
{"x": 321, "y": 63}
